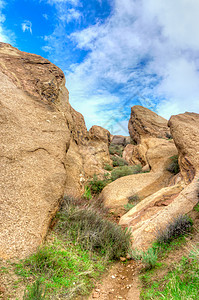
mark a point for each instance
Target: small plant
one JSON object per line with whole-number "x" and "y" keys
{"x": 125, "y": 171}
{"x": 196, "y": 207}
{"x": 177, "y": 228}
{"x": 118, "y": 161}
{"x": 92, "y": 231}
{"x": 108, "y": 167}
{"x": 149, "y": 258}
{"x": 87, "y": 193}
{"x": 174, "y": 166}
{"x": 116, "y": 149}
{"x": 128, "y": 206}
{"x": 133, "y": 199}
{"x": 96, "y": 185}
{"x": 35, "y": 292}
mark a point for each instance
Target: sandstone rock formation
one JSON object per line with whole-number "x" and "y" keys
{"x": 41, "y": 152}
{"x": 145, "y": 123}
{"x": 120, "y": 140}
{"x": 157, "y": 153}
{"x": 185, "y": 129}
{"x": 157, "y": 210}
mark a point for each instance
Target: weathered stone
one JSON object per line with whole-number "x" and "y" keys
{"x": 158, "y": 153}
{"x": 145, "y": 123}
{"x": 43, "y": 142}
{"x": 185, "y": 131}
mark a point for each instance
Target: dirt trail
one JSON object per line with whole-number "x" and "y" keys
{"x": 121, "y": 282}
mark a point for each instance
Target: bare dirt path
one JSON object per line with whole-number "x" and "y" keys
{"x": 121, "y": 282}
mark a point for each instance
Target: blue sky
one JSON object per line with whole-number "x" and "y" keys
{"x": 114, "y": 53}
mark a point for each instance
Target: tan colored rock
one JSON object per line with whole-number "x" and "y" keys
{"x": 120, "y": 140}
{"x": 185, "y": 131}
{"x": 145, "y": 123}
{"x": 135, "y": 154}
{"x": 157, "y": 154}
{"x": 33, "y": 143}
{"x": 45, "y": 149}
{"x": 158, "y": 210}
{"x": 118, "y": 193}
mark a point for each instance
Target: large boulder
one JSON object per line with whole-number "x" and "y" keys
{"x": 146, "y": 123}
{"x": 40, "y": 149}
{"x": 120, "y": 140}
{"x": 185, "y": 130}
{"x": 157, "y": 153}
{"x": 155, "y": 212}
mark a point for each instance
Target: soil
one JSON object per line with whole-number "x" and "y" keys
{"x": 121, "y": 282}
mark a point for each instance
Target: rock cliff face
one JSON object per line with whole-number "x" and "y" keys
{"x": 161, "y": 207}
{"x": 41, "y": 149}
{"x": 185, "y": 129}
{"x": 145, "y": 123}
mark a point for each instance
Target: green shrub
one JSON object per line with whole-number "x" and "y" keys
{"x": 149, "y": 258}
{"x": 133, "y": 199}
{"x": 118, "y": 161}
{"x": 128, "y": 206}
{"x": 178, "y": 227}
{"x": 87, "y": 193}
{"x": 116, "y": 149}
{"x": 92, "y": 231}
{"x": 96, "y": 185}
{"x": 108, "y": 167}
{"x": 125, "y": 171}
{"x": 174, "y": 166}
{"x": 35, "y": 292}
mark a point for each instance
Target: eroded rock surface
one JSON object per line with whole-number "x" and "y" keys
{"x": 185, "y": 130}
{"x": 146, "y": 123}
{"x": 40, "y": 141}
{"x": 159, "y": 209}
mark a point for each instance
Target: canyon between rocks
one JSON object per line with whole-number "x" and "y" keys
{"x": 47, "y": 152}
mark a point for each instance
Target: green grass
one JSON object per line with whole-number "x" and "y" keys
{"x": 92, "y": 231}
{"x": 78, "y": 250}
{"x": 180, "y": 283}
{"x": 125, "y": 171}
{"x": 196, "y": 208}
{"x": 63, "y": 268}
{"x": 128, "y": 206}
{"x": 118, "y": 161}
{"x": 116, "y": 149}
{"x": 108, "y": 167}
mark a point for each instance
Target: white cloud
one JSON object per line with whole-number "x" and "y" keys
{"x": 73, "y": 2}
{"x": 148, "y": 48}
{"x": 45, "y": 16}
{"x": 5, "y": 35}
{"x": 27, "y": 26}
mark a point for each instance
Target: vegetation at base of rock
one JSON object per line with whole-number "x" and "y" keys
{"x": 118, "y": 161}
{"x": 125, "y": 171}
{"x": 116, "y": 149}
{"x": 149, "y": 258}
{"x": 34, "y": 292}
{"x": 87, "y": 193}
{"x": 176, "y": 228}
{"x": 196, "y": 208}
{"x": 133, "y": 199}
{"x": 174, "y": 166}
{"x": 108, "y": 167}
{"x": 96, "y": 184}
{"x": 128, "y": 206}
{"x": 180, "y": 282}
{"x": 86, "y": 226}
{"x": 65, "y": 269}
